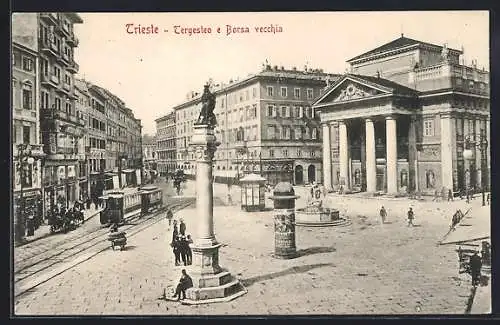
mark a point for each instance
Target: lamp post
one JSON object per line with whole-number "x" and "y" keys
{"x": 468, "y": 155}
{"x": 25, "y": 157}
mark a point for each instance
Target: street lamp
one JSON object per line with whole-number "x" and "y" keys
{"x": 468, "y": 155}
{"x": 26, "y": 157}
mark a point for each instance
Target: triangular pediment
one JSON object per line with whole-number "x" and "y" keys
{"x": 349, "y": 88}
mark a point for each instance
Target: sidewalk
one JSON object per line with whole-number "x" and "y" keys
{"x": 44, "y": 230}
{"x": 482, "y": 300}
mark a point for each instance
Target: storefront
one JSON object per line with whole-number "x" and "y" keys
{"x": 60, "y": 186}
{"x": 32, "y": 205}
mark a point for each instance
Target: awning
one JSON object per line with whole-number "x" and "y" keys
{"x": 128, "y": 170}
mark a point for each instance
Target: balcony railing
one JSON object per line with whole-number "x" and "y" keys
{"x": 66, "y": 86}
{"x": 49, "y": 47}
{"x": 73, "y": 67}
{"x": 55, "y": 79}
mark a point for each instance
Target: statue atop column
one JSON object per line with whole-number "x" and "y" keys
{"x": 445, "y": 52}
{"x": 207, "y": 116}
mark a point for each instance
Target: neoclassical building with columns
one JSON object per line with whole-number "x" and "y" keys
{"x": 401, "y": 120}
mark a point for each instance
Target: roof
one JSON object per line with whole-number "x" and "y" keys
{"x": 398, "y": 43}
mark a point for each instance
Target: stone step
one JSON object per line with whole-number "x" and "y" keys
{"x": 215, "y": 280}
{"x": 221, "y": 291}
{"x": 334, "y": 223}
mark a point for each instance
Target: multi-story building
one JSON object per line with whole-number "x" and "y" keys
{"x": 149, "y": 155}
{"x": 265, "y": 125}
{"x": 411, "y": 116}
{"x": 166, "y": 143}
{"x": 25, "y": 114}
{"x": 83, "y": 109}
{"x": 113, "y": 140}
{"x": 61, "y": 128}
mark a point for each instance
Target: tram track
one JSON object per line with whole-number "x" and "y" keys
{"x": 96, "y": 239}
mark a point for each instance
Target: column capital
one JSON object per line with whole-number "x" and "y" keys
{"x": 390, "y": 117}
{"x": 447, "y": 115}
{"x": 368, "y": 119}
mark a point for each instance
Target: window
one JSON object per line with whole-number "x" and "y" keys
{"x": 222, "y": 103}
{"x": 285, "y": 152}
{"x": 310, "y": 93}
{"x": 283, "y": 92}
{"x": 301, "y": 112}
{"x": 14, "y": 59}
{"x": 247, "y": 95}
{"x": 57, "y": 73}
{"x": 313, "y": 153}
{"x": 27, "y": 64}
{"x": 296, "y": 93}
{"x": 44, "y": 67}
{"x": 428, "y": 128}
{"x": 254, "y": 111}
{"x": 26, "y": 134}
{"x": 14, "y": 92}
{"x": 271, "y": 153}
{"x": 270, "y": 110}
{"x": 58, "y": 103}
{"x": 254, "y": 92}
{"x": 27, "y": 96}
{"x": 45, "y": 103}
{"x": 269, "y": 91}
{"x": 283, "y": 111}
{"x": 299, "y": 153}
{"x": 271, "y": 132}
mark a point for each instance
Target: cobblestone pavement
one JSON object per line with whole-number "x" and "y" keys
{"x": 365, "y": 268}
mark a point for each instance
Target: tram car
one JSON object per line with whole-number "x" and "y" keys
{"x": 120, "y": 205}
{"x": 152, "y": 199}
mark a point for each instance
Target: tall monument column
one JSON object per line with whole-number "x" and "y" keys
{"x": 447, "y": 147}
{"x": 392, "y": 154}
{"x": 343, "y": 155}
{"x": 371, "y": 165}
{"x": 211, "y": 283}
{"x": 327, "y": 158}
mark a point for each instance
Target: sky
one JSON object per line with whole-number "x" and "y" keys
{"x": 152, "y": 73}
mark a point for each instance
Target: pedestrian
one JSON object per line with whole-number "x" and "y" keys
{"x": 411, "y": 216}
{"x": 189, "y": 252}
{"x": 31, "y": 224}
{"x": 475, "y": 268}
{"x": 182, "y": 228}
{"x": 183, "y": 249}
{"x": 177, "y": 251}
{"x": 488, "y": 198}
{"x": 383, "y": 214}
{"x": 455, "y": 220}
{"x": 450, "y": 195}
{"x": 185, "y": 283}
{"x": 467, "y": 195}
{"x": 436, "y": 195}
{"x": 170, "y": 215}
{"x": 175, "y": 232}
{"x": 312, "y": 191}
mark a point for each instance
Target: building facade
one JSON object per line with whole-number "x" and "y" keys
{"x": 149, "y": 155}
{"x": 403, "y": 119}
{"x": 266, "y": 125}
{"x": 62, "y": 129}
{"x": 26, "y": 170}
{"x": 113, "y": 143}
{"x": 166, "y": 143}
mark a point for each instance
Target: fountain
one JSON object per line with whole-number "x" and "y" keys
{"x": 315, "y": 215}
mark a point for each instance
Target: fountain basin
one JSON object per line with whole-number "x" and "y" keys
{"x": 314, "y": 216}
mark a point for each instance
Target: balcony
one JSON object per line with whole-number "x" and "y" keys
{"x": 73, "y": 41}
{"x": 36, "y": 150}
{"x": 49, "y": 48}
{"x": 50, "y": 17}
{"x": 65, "y": 57}
{"x": 52, "y": 81}
{"x": 73, "y": 67}
{"x": 67, "y": 87}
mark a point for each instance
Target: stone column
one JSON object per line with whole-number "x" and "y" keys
{"x": 467, "y": 171}
{"x": 392, "y": 154}
{"x": 211, "y": 283}
{"x": 477, "y": 153}
{"x": 343, "y": 154}
{"x": 327, "y": 158}
{"x": 371, "y": 165}
{"x": 447, "y": 147}
{"x": 488, "y": 151}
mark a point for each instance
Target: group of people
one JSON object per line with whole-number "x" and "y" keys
{"x": 410, "y": 215}
{"x": 180, "y": 242}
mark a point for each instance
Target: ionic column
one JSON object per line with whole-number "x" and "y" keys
{"x": 447, "y": 147}
{"x": 371, "y": 167}
{"x": 392, "y": 154}
{"x": 344, "y": 154}
{"x": 327, "y": 158}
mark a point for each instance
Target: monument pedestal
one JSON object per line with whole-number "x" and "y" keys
{"x": 211, "y": 283}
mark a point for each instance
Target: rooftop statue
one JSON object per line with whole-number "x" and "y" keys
{"x": 207, "y": 116}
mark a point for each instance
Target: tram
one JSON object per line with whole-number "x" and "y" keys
{"x": 122, "y": 204}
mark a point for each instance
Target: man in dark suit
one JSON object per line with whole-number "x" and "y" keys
{"x": 475, "y": 264}
{"x": 185, "y": 283}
